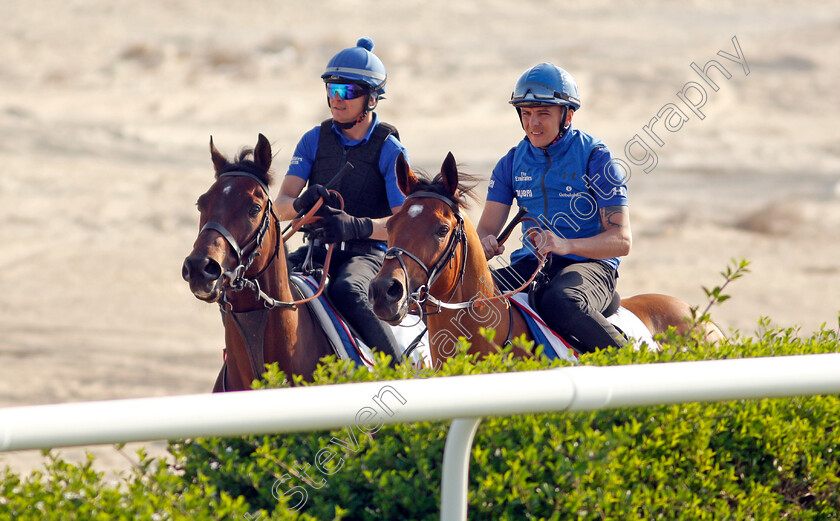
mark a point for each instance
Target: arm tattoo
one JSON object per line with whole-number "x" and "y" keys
{"x": 612, "y": 217}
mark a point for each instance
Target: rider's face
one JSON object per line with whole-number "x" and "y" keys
{"x": 542, "y": 123}
{"x": 345, "y": 111}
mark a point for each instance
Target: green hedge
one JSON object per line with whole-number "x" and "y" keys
{"x": 755, "y": 459}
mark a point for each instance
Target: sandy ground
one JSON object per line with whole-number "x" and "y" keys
{"x": 106, "y": 109}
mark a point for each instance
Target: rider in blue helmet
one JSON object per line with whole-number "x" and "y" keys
{"x": 569, "y": 182}
{"x": 355, "y": 82}
{"x": 546, "y": 84}
{"x": 357, "y": 66}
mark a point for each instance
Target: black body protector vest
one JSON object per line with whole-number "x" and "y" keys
{"x": 363, "y": 188}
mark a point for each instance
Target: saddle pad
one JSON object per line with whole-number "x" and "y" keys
{"x": 348, "y": 347}
{"x": 623, "y": 319}
{"x": 554, "y": 345}
{"x": 633, "y": 328}
{"x": 420, "y": 356}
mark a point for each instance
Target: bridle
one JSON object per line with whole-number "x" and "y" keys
{"x": 238, "y": 279}
{"x": 237, "y": 276}
{"x": 251, "y": 324}
{"x": 421, "y": 296}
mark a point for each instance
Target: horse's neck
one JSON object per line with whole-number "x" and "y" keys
{"x": 249, "y": 321}
{"x": 290, "y": 336}
{"x": 477, "y": 283}
{"x": 477, "y": 280}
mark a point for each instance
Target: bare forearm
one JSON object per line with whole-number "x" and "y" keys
{"x": 492, "y": 219}
{"x": 606, "y": 245}
{"x": 379, "y": 231}
{"x": 283, "y": 207}
{"x": 614, "y": 240}
{"x": 290, "y": 189}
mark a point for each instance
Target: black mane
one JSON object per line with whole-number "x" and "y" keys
{"x": 245, "y": 163}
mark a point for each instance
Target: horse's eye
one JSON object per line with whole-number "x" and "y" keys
{"x": 255, "y": 210}
{"x": 442, "y": 230}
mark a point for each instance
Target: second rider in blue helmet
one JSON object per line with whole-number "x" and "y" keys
{"x": 355, "y": 82}
{"x": 569, "y": 182}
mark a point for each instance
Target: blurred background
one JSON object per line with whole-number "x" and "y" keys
{"x": 107, "y": 108}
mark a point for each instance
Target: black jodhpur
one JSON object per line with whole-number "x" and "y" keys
{"x": 573, "y": 300}
{"x": 351, "y": 271}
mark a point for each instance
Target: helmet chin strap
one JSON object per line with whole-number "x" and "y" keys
{"x": 563, "y": 127}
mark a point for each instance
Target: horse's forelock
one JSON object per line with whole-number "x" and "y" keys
{"x": 245, "y": 163}
{"x": 465, "y": 191}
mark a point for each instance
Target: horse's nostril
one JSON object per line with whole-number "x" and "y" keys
{"x": 212, "y": 270}
{"x": 200, "y": 268}
{"x": 395, "y": 291}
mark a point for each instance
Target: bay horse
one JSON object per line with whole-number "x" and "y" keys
{"x": 444, "y": 263}
{"x": 238, "y": 260}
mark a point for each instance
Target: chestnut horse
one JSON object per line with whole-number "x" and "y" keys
{"x": 238, "y": 260}
{"x": 435, "y": 259}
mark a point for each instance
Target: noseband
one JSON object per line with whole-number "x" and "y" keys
{"x": 458, "y": 237}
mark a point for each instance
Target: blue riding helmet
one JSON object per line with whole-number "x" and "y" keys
{"x": 546, "y": 84}
{"x": 358, "y": 65}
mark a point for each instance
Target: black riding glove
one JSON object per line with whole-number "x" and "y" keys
{"x": 339, "y": 226}
{"x": 308, "y": 198}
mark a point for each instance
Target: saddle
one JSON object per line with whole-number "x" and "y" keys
{"x": 539, "y": 285}
{"x": 346, "y": 342}
{"x": 622, "y": 319}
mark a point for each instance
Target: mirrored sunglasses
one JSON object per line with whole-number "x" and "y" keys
{"x": 345, "y": 91}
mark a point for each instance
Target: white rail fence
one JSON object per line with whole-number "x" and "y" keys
{"x": 464, "y": 399}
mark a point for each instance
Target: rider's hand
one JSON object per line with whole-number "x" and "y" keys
{"x": 546, "y": 242}
{"x": 310, "y": 196}
{"x": 340, "y": 226}
{"x": 491, "y": 247}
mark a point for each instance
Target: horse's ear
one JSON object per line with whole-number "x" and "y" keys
{"x": 449, "y": 172}
{"x": 219, "y": 161}
{"x": 262, "y": 153}
{"x": 406, "y": 179}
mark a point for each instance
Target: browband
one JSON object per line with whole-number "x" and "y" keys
{"x": 239, "y": 173}
{"x": 452, "y": 204}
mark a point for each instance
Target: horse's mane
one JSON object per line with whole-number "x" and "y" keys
{"x": 465, "y": 192}
{"x": 245, "y": 163}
